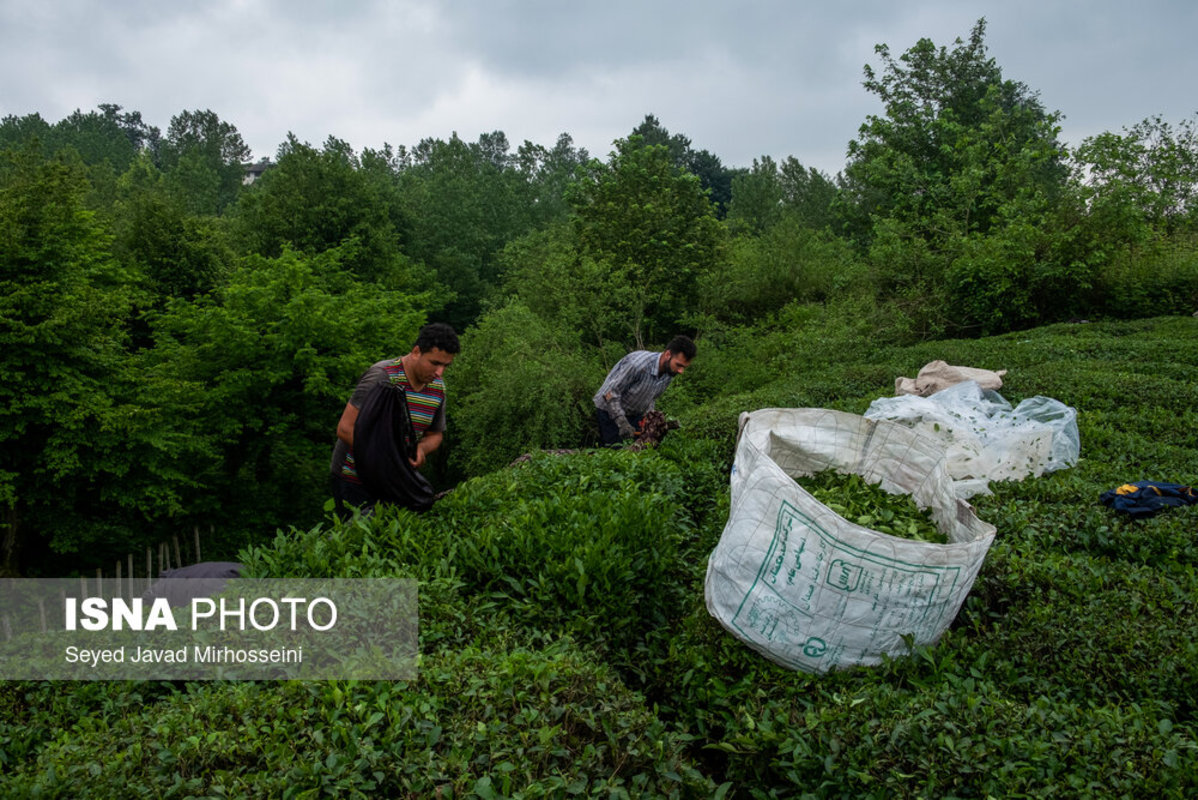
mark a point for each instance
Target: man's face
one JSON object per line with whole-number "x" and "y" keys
{"x": 427, "y": 365}
{"x": 676, "y": 363}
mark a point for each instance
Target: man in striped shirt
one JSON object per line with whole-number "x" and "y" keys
{"x": 634, "y": 383}
{"x": 419, "y": 374}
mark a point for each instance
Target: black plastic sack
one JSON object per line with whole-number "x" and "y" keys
{"x": 384, "y": 440}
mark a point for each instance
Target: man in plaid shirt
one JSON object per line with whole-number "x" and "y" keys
{"x": 634, "y": 383}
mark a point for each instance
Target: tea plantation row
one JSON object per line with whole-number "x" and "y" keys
{"x": 566, "y": 650}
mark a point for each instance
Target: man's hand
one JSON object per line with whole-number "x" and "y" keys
{"x": 418, "y": 461}
{"x": 427, "y": 444}
{"x": 626, "y": 430}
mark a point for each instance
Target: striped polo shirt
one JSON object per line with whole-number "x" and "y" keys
{"x": 427, "y": 408}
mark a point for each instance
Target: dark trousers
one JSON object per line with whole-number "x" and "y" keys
{"x": 609, "y": 433}
{"x": 348, "y": 496}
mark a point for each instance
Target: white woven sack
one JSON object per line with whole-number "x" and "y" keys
{"x": 809, "y": 589}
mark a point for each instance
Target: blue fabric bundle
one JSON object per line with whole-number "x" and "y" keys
{"x": 1145, "y": 498}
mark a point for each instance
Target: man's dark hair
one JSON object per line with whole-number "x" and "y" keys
{"x": 438, "y": 335}
{"x": 683, "y": 346}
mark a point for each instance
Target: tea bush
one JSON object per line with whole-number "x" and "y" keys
{"x": 565, "y": 648}
{"x": 477, "y": 723}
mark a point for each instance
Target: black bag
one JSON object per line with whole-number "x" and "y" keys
{"x": 384, "y": 440}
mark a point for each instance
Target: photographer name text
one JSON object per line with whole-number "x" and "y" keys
{"x": 199, "y": 654}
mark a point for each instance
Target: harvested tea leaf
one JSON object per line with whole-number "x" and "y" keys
{"x": 872, "y": 507}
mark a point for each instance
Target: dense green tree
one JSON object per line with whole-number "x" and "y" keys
{"x": 1142, "y": 216}
{"x": 1034, "y": 265}
{"x": 380, "y": 169}
{"x": 206, "y": 132}
{"x": 106, "y": 140}
{"x": 464, "y": 202}
{"x": 176, "y": 253}
{"x": 762, "y": 195}
{"x": 713, "y": 176}
{"x": 63, "y": 302}
{"x": 652, "y": 133}
{"x": 550, "y": 275}
{"x": 314, "y": 200}
{"x": 756, "y": 198}
{"x": 652, "y": 228}
{"x": 548, "y": 171}
{"x": 955, "y": 142}
{"x": 203, "y": 158}
{"x": 16, "y": 131}
{"x": 1149, "y": 171}
{"x": 106, "y": 135}
{"x": 786, "y": 263}
{"x": 961, "y": 192}
{"x": 807, "y": 194}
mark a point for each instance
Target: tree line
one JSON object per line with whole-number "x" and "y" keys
{"x": 176, "y": 344}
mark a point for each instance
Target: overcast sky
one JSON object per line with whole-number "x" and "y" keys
{"x": 740, "y": 79}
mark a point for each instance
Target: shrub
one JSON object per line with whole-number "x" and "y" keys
{"x": 518, "y": 385}
{"x": 790, "y": 263}
{"x": 476, "y": 723}
{"x": 1159, "y": 278}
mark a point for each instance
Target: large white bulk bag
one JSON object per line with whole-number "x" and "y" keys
{"x": 814, "y": 591}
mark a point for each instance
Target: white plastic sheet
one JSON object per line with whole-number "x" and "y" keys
{"x": 811, "y": 590}
{"x": 984, "y": 438}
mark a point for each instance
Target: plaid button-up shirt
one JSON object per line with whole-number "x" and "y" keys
{"x": 632, "y": 385}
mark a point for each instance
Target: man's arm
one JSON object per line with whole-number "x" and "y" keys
{"x": 615, "y": 410}
{"x": 345, "y": 425}
{"x": 622, "y": 376}
{"x": 427, "y": 444}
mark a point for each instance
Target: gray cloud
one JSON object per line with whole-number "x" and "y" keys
{"x": 742, "y": 80}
